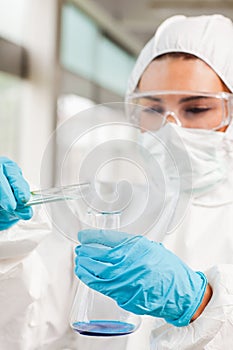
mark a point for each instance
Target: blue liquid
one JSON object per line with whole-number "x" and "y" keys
{"x": 103, "y": 328}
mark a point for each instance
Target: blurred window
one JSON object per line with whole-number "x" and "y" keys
{"x": 78, "y": 41}
{"x": 10, "y": 103}
{"x": 113, "y": 66}
{"x": 87, "y": 52}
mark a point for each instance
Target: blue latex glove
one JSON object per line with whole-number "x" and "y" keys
{"x": 14, "y": 193}
{"x": 140, "y": 275}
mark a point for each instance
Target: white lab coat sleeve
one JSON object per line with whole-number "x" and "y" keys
{"x": 22, "y": 238}
{"x": 213, "y": 329}
{"x": 23, "y": 280}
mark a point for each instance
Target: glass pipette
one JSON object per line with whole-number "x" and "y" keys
{"x": 54, "y": 194}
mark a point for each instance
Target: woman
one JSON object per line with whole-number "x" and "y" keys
{"x": 186, "y": 287}
{"x": 183, "y": 82}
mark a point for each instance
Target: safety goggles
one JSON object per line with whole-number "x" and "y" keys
{"x": 152, "y": 110}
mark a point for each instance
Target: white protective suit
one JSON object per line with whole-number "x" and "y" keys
{"x": 36, "y": 264}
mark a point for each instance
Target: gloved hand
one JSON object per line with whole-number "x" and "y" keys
{"x": 14, "y": 193}
{"x": 142, "y": 276}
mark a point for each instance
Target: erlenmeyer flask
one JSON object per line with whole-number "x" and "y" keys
{"x": 93, "y": 313}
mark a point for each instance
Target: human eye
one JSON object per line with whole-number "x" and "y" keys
{"x": 200, "y": 107}
{"x": 197, "y": 110}
{"x": 153, "y": 110}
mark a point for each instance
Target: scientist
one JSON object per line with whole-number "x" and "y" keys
{"x": 183, "y": 79}
{"x": 184, "y": 283}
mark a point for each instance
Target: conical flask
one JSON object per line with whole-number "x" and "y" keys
{"x": 94, "y": 314}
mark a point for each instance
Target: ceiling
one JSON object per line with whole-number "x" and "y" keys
{"x": 141, "y": 17}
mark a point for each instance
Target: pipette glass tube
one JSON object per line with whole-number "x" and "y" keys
{"x": 54, "y": 194}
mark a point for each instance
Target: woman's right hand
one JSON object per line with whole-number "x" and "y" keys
{"x": 14, "y": 194}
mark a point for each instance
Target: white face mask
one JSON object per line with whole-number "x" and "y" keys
{"x": 191, "y": 159}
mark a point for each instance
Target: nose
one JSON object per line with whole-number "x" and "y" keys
{"x": 171, "y": 117}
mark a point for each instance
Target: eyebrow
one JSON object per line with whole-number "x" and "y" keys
{"x": 156, "y": 99}
{"x": 185, "y": 99}
{"x": 191, "y": 98}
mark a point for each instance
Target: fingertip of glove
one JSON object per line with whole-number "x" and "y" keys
{"x": 23, "y": 193}
{"x": 77, "y": 270}
{"x": 77, "y": 249}
{"x": 29, "y": 214}
{"x": 24, "y": 213}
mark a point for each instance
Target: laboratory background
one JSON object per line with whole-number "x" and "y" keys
{"x": 58, "y": 58}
